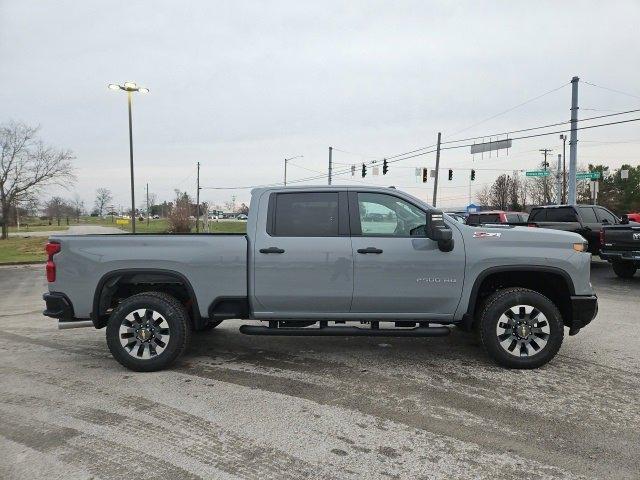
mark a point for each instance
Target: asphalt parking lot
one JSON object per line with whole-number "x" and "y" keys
{"x": 294, "y": 407}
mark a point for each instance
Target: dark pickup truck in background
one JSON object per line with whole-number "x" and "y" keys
{"x": 620, "y": 246}
{"x": 586, "y": 220}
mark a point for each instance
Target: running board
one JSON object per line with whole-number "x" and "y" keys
{"x": 346, "y": 331}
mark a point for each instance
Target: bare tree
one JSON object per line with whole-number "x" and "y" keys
{"x": 179, "y": 221}
{"x": 103, "y": 197}
{"x": 484, "y": 196}
{"x": 77, "y": 205}
{"x": 57, "y": 208}
{"x": 501, "y": 191}
{"x": 27, "y": 165}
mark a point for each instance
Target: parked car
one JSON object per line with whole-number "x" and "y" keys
{"x": 242, "y": 217}
{"x": 306, "y": 261}
{"x": 496, "y": 216}
{"x": 586, "y": 220}
{"x": 156, "y": 217}
{"x": 620, "y": 246}
{"x": 633, "y": 217}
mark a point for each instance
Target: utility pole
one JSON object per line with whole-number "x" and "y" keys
{"x": 545, "y": 151}
{"x": 563, "y": 137}
{"x": 573, "y": 142}
{"x": 559, "y": 181}
{"x": 330, "y": 163}
{"x": 147, "y": 204}
{"x": 285, "y": 171}
{"x": 435, "y": 182}
{"x": 198, "y": 202}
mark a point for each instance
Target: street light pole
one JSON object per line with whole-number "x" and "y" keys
{"x": 286, "y": 160}
{"x": 130, "y": 88}
{"x": 133, "y": 195}
{"x": 563, "y": 137}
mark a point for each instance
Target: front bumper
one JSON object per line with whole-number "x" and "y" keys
{"x": 583, "y": 310}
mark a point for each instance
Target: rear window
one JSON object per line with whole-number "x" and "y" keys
{"x": 538, "y": 215}
{"x": 588, "y": 215}
{"x": 562, "y": 214}
{"x": 306, "y": 214}
{"x": 473, "y": 219}
{"x": 490, "y": 218}
{"x": 513, "y": 217}
{"x": 606, "y": 215}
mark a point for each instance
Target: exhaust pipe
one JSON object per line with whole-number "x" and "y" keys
{"x": 76, "y": 324}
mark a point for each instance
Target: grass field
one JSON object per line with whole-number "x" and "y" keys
{"x": 20, "y": 249}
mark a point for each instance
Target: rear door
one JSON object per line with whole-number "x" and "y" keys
{"x": 396, "y": 270}
{"x": 303, "y": 261}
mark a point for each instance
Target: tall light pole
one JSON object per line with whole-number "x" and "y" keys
{"x": 130, "y": 88}
{"x": 563, "y": 137}
{"x": 286, "y": 160}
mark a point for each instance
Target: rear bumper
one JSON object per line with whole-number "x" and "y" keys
{"x": 583, "y": 310}
{"x": 620, "y": 256}
{"x": 58, "y": 306}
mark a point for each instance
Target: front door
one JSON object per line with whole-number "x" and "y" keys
{"x": 396, "y": 269}
{"x": 303, "y": 264}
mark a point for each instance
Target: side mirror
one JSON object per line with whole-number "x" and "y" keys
{"x": 625, "y": 219}
{"x": 437, "y": 230}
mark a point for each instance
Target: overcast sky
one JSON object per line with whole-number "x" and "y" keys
{"x": 240, "y": 85}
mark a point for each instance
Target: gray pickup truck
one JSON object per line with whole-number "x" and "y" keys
{"x": 315, "y": 258}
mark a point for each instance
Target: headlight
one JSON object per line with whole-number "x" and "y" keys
{"x": 580, "y": 247}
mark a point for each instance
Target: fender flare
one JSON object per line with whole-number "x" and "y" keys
{"x": 115, "y": 274}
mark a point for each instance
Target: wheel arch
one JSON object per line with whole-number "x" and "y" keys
{"x": 138, "y": 280}
{"x": 553, "y": 282}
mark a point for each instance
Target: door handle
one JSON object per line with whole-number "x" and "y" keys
{"x": 369, "y": 250}
{"x": 271, "y": 250}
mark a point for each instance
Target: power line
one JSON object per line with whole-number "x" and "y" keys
{"x": 612, "y": 90}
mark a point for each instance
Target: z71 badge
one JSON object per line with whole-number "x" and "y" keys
{"x": 486, "y": 234}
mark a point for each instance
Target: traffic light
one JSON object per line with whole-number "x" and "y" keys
{"x": 364, "y": 170}
{"x": 450, "y": 174}
{"x": 473, "y": 174}
{"x": 353, "y": 170}
{"x": 425, "y": 175}
{"x": 385, "y": 167}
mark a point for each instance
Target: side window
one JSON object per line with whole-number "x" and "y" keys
{"x": 562, "y": 214}
{"x": 606, "y": 215}
{"x": 306, "y": 215}
{"x": 513, "y": 218}
{"x": 538, "y": 215}
{"x": 389, "y": 216}
{"x": 588, "y": 215}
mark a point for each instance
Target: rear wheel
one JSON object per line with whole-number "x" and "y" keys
{"x": 624, "y": 269}
{"x": 148, "y": 331}
{"x": 520, "y": 328}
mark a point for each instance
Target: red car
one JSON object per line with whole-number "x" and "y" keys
{"x": 496, "y": 216}
{"x": 633, "y": 217}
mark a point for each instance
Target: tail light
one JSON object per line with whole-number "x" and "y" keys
{"x": 601, "y": 237}
{"x": 51, "y": 248}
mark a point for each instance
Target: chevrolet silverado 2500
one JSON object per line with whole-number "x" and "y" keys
{"x": 315, "y": 258}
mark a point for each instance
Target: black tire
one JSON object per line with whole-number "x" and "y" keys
{"x": 624, "y": 269}
{"x": 544, "y": 315}
{"x": 175, "y": 319}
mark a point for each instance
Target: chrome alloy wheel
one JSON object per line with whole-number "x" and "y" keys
{"x": 523, "y": 331}
{"x": 144, "y": 334}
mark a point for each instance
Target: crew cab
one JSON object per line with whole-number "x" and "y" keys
{"x": 620, "y": 246}
{"x": 586, "y": 220}
{"x": 315, "y": 258}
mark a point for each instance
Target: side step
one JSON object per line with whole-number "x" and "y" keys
{"x": 74, "y": 324}
{"x": 346, "y": 331}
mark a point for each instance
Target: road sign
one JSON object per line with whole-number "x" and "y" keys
{"x": 122, "y": 221}
{"x": 588, "y": 175}
{"x": 488, "y": 146}
{"x": 537, "y": 173}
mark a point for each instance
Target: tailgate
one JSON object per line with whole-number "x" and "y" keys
{"x": 622, "y": 238}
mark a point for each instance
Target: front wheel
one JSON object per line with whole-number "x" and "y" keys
{"x": 624, "y": 269}
{"x": 148, "y": 331}
{"x": 521, "y": 328}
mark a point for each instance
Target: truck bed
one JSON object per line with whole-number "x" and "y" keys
{"x": 215, "y": 265}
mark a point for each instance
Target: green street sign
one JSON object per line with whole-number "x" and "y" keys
{"x": 588, "y": 175}
{"x": 537, "y": 173}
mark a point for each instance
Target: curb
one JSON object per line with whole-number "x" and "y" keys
{"x": 32, "y": 262}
